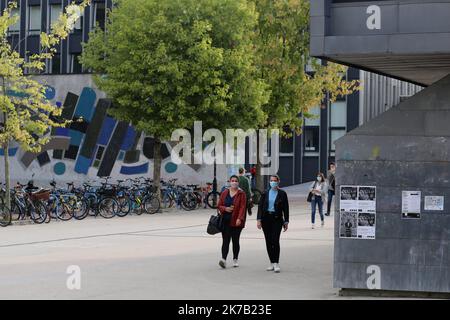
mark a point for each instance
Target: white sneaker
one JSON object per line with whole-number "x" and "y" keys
{"x": 270, "y": 268}
{"x": 312, "y": 226}
{"x": 276, "y": 268}
{"x": 223, "y": 263}
{"x": 323, "y": 223}
{"x": 235, "y": 263}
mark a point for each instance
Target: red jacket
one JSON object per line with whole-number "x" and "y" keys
{"x": 240, "y": 206}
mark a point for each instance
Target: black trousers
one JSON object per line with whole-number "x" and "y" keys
{"x": 230, "y": 234}
{"x": 272, "y": 231}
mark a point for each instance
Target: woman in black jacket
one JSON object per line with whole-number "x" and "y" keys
{"x": 273, "y": 216}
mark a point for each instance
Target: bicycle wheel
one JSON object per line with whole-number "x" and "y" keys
{"x": 5, "y": 216}
{"x": 124, "y": 206}
{"x": 256, "y": 196}
{"x": 167, "y": 201}
{"x": 199, "y": 198}
{"x": 64, "y": 212}
{"x": 213, "y": 199}
{"x": 80, "y": 208}
{"x": 108, "y": 208}
{"x": 151, "y": 204}
{"x": 16, "y": 211}
{"x": 38, "y": 212}
{"x": 189, "y": 201}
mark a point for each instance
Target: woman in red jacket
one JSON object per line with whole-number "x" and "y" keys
{"x": 232, "y": 207}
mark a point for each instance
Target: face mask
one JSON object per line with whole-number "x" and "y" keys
{"x": 319, "y": 179}
{"x": 273, "y": 184}
{"x": 234, "y": 185}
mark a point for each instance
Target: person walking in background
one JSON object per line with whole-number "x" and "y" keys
{"x": 232, "y": 207}
{"x": 331, "y": 187}
{"x": 319, "y": 191}
{"x": 273, "y": 216}
{"x": 253, "y": 173}
{"x": 244, "y": 184}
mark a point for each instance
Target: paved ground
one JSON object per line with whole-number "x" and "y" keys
{"x": 165, "y": 256}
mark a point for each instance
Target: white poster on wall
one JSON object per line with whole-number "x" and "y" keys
{"x": 349, "y": 199}
{"x": 434, "y": 203}
{"x": 366, "y": 225}
{"x": 411, "y": 204}
{"x": 348, "y": 227}
{"x": 367, "y": 199}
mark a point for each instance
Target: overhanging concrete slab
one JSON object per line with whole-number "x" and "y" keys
{"x": 404, "y": 43}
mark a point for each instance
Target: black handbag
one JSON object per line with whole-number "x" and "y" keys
{"x": 215, "y": 225}
{"x": 310, "y": 195}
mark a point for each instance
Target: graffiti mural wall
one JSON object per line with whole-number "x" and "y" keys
{"x": 97, "y": 146}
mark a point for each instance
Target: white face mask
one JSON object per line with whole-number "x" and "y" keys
{"x": 235, "y": 185}
{"x": 319, "y": 178}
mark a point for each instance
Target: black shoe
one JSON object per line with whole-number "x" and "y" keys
{"x": 327, "y": 214}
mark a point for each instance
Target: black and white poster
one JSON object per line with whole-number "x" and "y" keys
{"x": 366, "y": 225}
{"x": 367, "y": 199}
{"x": 349, "y": 225}
{"x": 349, "y": 199}
{"x": 358, "y": 205}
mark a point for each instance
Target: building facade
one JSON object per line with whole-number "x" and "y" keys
{"x": 105, "y": 147}
{"x": 302, "y": 157}
{"x": 396, "y": 244}
{"x": 37, "y": 16}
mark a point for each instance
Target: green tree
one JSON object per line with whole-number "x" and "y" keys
{"x": 283, "y": 54}
{"x": 25, "y": 114}
{"x": 166, "y": 64}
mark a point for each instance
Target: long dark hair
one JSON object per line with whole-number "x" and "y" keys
{"x": 322, "y": 176}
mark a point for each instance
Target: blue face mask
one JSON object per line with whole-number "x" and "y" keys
{"x": 273, "y": 184}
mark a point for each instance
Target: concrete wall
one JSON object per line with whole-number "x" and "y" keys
{"x": 407, "y": 44}
{"x": 405, "y": 149}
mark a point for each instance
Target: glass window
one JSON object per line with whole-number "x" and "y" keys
{"x": 79, "y": 23}
{"x": 315, "y": 120}
{"x": 55, "y": 12}
{"x": 335, "y": 135}
{"x": 99, "y": 15}
{"x": 338, "y": 114}
{"x": 311, "y": 139}
{"x": 15, "y": 28}
{"x": 34, "y": 22}
{"x": 287, "y": 145}
{"x": 56, "y": 64}
{"x": 75, "y": 65}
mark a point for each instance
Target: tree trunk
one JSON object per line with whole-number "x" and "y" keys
{"x": 157, "y": 166}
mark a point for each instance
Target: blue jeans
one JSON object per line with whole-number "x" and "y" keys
{"x": 330, "y": 200}
{"x": 319, "y": 202}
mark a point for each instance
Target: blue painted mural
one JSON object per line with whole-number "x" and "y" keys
{"x": 94, "y": 141}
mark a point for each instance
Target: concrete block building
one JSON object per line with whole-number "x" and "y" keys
{"x": 403, "y": 152}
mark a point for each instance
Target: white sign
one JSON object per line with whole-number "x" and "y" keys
{"x": 434, "y": 203}
{"x": 411, "y": 204}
